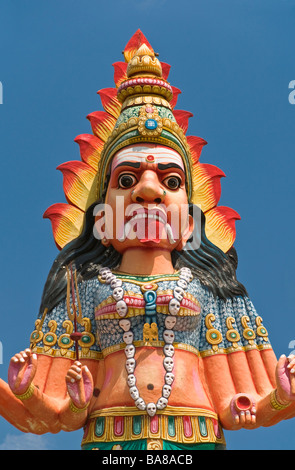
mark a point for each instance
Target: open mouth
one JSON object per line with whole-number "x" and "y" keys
{"x": 147, "y": 225}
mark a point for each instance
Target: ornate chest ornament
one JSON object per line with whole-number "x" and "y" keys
{"x": 185, "y": 276}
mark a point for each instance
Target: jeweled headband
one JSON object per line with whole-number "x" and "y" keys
{"x": 141, "y": 109}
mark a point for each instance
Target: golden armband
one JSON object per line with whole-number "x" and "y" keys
{"x": 28, "y": 394}
{"x": 275, "y": 403}
{"x": 75, "y": 409}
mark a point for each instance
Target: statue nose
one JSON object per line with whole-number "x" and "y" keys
{"x": 148, "y": 189}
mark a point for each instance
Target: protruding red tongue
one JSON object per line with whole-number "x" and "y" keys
{"x": 148, "y": 230}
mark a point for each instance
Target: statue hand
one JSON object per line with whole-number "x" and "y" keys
{"x": 285, "y": 378}
{"x": 22, "y": 370}
{"x": 243, "y": 409}
{"x": 79, "y": 384}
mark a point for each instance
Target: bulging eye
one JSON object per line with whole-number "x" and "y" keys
{"x": 126, "y": 181}
{"x": 172, "y": 182}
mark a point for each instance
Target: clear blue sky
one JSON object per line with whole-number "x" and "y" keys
{"x": 233, "y": 61}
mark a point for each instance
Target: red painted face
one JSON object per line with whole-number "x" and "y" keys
{"x": 146, "y": 199}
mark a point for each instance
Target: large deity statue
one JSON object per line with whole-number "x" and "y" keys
{"x": 145, "y": 338}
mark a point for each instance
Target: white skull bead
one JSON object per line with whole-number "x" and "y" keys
{"x": 187, "y": 277}
{"x": 178, "y": 293}
{"x": 134, "y": 393}
{"x": 166, "y": 391}
{"x": 105, "y": 274}
{"x": 130, "y": 365}
{"x": 125, "y": 324}
{"x": 168, "y": 336}
{"x": 122, "y": 308}
{"x": 174, "y": 306}
{"x": 116, "y": 283}
{"x": 169, "y": 378}
{"x": 131, "y": 380}
{"x": 104, "y": 271}
{"x": 170, "y": 322}
{"x": 130, "y": 351}
{"x": 151, "y": 409}
{"x": 168, "y": 364}
{"x": 169, "y": 350}
{"x": 162, "y": 403}
{"x": 118, "y": 294}
{"x": 128, "y": 337}
{"x": 109, "y": 277}
{"x": 185, "y": 270}
{"x": 140, "y": 404}
{"x": 182, "y": 283}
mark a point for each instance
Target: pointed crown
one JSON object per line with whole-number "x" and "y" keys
{"x": 140, "y": 109}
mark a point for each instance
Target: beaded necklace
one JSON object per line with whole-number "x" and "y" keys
{"x": 185, "y": 276}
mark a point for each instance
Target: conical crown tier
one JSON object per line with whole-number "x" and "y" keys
{"x": 144, "y": 62}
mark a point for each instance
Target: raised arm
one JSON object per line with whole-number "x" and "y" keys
{"x": 64, "y": 409}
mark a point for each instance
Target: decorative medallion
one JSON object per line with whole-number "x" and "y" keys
{"x": 248, "y": 333}
{"x": 50, "y": 338}
{"x": 232, "y": 335}
{"x": 213, "y": 336}
{"x": 261, "y": 330}
{"x": 148, "y": 286}
{"x": 149, "y": 123}
{"x": 64, "y": 341}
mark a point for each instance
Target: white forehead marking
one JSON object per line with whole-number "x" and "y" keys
{"x": 140, "y": 152}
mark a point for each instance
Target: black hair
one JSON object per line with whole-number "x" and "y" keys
{"x": 215, "y": 269}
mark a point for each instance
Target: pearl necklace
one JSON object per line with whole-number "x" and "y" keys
{"x": 185, "y": 276}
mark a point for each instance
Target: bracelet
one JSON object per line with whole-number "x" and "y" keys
{"x": 75, "y": 409}
{"x": 28, "y": 394}
{"x": 274, "y": 402}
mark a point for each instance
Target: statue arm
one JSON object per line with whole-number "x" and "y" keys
{"x": 251, "y": 389}
{"x": 14, "y": 411}
{"x": 279, "y": 404}
{"x": 223, "y": 390}
{"x": 64, "y": 406}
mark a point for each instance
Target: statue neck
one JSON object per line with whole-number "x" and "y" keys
{"x": 146, "y": 261}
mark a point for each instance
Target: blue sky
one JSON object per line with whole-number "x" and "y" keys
{"x": 233, "y": 61}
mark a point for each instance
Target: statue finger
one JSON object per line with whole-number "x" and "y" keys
{"x": 237, "y": 419}
{"x": 73, "y": 375}
{"x": 87, "y": 382}
{"x": 18, "y": 358}
{"x": 248, "y": 417}
{"x": 242, "y": 418}
{"x": 281, "y": 365}
{"x": 75, "y": 369}
{"x": 291, "y": 364}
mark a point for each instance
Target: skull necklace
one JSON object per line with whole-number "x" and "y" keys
{"x": 185, "y": 277}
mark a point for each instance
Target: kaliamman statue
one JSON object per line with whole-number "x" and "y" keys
{"x": 145, "y": 338}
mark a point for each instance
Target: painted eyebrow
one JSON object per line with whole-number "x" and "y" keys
{"x": 166, "y": 166}
{"x": 132, "y": 164}
{"x": 161, "y": 166}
